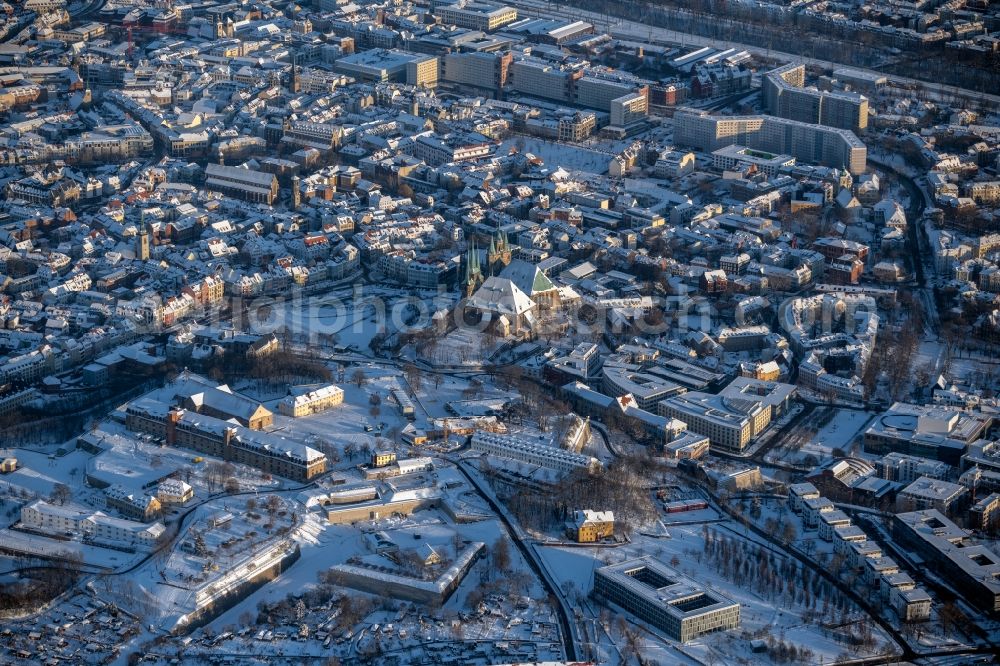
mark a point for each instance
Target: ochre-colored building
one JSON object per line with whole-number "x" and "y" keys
{"x": 590, "y": 526}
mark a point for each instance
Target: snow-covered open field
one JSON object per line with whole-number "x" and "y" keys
{"x": 821, "y": 433}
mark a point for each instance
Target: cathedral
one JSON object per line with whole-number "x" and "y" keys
{"x": 498, "y": 257}
{"x": 499, "y": 254}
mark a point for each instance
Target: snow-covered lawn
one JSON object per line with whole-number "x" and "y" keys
{"x": 840, "y": 432}
{"x": 826, "y": 429}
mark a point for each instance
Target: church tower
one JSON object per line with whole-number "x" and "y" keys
{"x": 295, "y": 83}
{"x": 499, "y": 254}
{"x": 142, "y": 245}
{"x": 296, "y": 193}
{"x": 473, "y": 274}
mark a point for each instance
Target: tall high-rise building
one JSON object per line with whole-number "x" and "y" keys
{"x": 479, "y": 68}
{"x": 786, "y": 96}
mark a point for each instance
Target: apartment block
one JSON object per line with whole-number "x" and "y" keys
{"x": 928, "y": 493}
{"x": 907, "y": 469}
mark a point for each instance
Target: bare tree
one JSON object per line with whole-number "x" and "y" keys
{"x": 61, "y": 493}
{"x": 359, "y": 378}
{"x": 273, "y": 505}
{"x": 414, "y": 376}
{"x": 501, "y": 555}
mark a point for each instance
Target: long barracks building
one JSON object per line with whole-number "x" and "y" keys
{"x": 224, "y": 439}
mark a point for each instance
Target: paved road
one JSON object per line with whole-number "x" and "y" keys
{"x": 602, "y": 430}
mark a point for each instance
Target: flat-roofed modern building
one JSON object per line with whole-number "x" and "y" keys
{"x": 983, "y": 514}
{"x": 775, "y": 395}
{"x": 798, "y": 493}
{"x": 661, "y": 596}
{"x": 982, "y": 465}
{"x": 872, "y": 82}
{"x": 969, "y": 566}
{"x": 729, "y": 423}
{"x": 927, "y": 431}
{"x": 629, "y": 109}
{"x": 598, "y": 91}
{"x": 686, "y": 445}
{"x": 907, "y": 469}
{"x": 647, "y": 390}
{"x": 574, "y": 83}
{"x": 809, "y": 142}
{"x": 929, "y": 493}
{"x": 730, "y": 157}
{"x": 390, "y": 65}
{"x": 785, "y": 95}
{"x": 540, "y": 78}
{"x": 480, "y": 69}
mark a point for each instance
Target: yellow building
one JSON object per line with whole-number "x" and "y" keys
{"x": 769, "y": 371}
{"x": 313, "y": 402}
{"x": 383, "y": 458}
{"x": 174, "y": 491}
{"x": 590, "y": 526}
